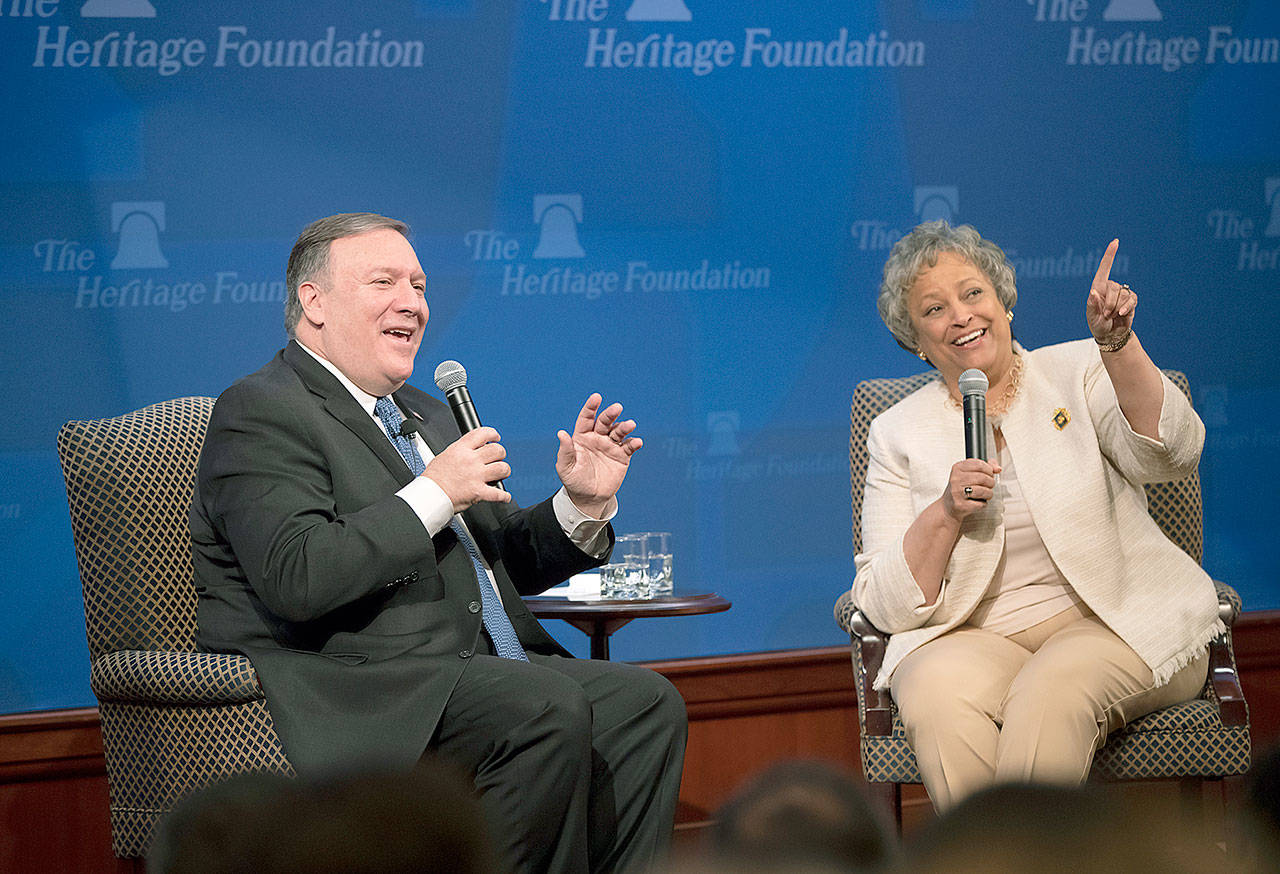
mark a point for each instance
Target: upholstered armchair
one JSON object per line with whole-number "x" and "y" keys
{"x": 1203, "y": 739}
{"x": 173, "y": 719}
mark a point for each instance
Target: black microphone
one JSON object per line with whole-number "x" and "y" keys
{"x": 409, "y": 427}
{"x": 451, "y": 378}
{"x": 973, "y": 391}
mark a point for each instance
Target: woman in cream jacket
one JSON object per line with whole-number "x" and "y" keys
{"x": 1033, "y": 604}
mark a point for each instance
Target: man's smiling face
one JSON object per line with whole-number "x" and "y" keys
{"x": 369, "y": 313}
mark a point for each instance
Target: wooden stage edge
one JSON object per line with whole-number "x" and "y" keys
{"x": 746, "y": 712}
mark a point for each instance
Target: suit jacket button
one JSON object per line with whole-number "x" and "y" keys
{"x": 465, "y": 654}
{"x": 473, "y": 607}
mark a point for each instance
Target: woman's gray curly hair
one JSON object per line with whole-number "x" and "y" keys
{"x": 917, "y": 251}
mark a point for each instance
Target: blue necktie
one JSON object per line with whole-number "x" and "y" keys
{"x": 496, "y": 622}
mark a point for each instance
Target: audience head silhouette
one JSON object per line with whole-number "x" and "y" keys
{"x": 1049, "y": 829}
{"x": 419, "y": 823}
{"x": 800, "y": 815}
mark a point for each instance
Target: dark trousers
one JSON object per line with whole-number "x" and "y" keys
{"x": 577, "y": 762}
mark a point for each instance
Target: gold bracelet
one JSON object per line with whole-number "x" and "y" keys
{"x": 1115, "y": 345}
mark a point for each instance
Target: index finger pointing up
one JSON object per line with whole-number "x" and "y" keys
{"x": 1104, "y": 266}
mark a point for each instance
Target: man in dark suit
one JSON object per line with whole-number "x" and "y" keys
{"x": 348, "y": 541}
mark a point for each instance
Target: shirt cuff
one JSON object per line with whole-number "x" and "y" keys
{"x": 585, "y": 532}
{"x": 429, "y": 503}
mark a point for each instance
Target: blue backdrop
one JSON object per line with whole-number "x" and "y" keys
{"x": 685, "y": 205}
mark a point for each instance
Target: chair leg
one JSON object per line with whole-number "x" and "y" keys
{"x": 1191, "y": 789}
{"x": 1195, "y": 813}
{"x": 1219, "y": 826}
{"x": 888, "y": 798}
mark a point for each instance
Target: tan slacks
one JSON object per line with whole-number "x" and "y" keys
{"x": 981, "y": 708}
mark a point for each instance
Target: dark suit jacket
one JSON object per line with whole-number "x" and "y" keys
{"x": 358, "y": 623}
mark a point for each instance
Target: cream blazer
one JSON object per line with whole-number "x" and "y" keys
{"x": 1083, "y": 486}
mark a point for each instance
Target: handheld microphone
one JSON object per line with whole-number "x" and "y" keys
{"x": 451, "y": 378}
{"x": 973, "y": 391}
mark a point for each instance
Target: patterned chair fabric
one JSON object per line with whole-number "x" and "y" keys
{"x": 1207, "y": 738}
{"x": 173, "y": 719}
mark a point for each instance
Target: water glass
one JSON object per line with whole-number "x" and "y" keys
{"x": 626, "y": 577}
{"x": 658, "y": 554}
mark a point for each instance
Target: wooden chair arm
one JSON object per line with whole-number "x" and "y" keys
{"x": 871, "y": 643}
{"x": 1226, "y": 685}
{"x": 1223, "y": 676}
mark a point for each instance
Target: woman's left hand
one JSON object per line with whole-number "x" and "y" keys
{"x": 1110, "y": 307}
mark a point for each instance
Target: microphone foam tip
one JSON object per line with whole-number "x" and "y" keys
{"x": 450, "y": 375}
{"x": 972, "y": 381}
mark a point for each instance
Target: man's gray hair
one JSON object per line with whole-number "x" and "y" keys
{"x": 918, "y": 251}
{"x": 309, "y": 259}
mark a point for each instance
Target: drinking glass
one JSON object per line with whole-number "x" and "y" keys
{"x": 658, "y": 555}
{"x": 626, "y": 576}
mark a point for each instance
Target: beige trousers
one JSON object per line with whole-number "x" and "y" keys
{"x": 981, "y": 708}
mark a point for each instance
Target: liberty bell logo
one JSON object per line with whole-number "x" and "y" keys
{"x": 118, "y": 9}
{"x": 1132, "y": 10}
{"x": 558, "y": 216}
{"x": 937, "y": 202}
{"x": 658, "y": 10}
{"x": 722, "y": 426}
{"x": 139, "y": 226}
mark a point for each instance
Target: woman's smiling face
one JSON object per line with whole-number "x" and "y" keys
{"x": 959, "y": 320}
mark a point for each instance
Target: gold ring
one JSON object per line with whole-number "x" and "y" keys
{"x": 1125, "y": 286}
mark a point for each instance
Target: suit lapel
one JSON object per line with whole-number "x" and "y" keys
{"x": 434, "y": 426}
{"x": 339, "y": 404}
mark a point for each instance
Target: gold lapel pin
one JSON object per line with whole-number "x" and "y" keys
{"x": 1060, "y": 418}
